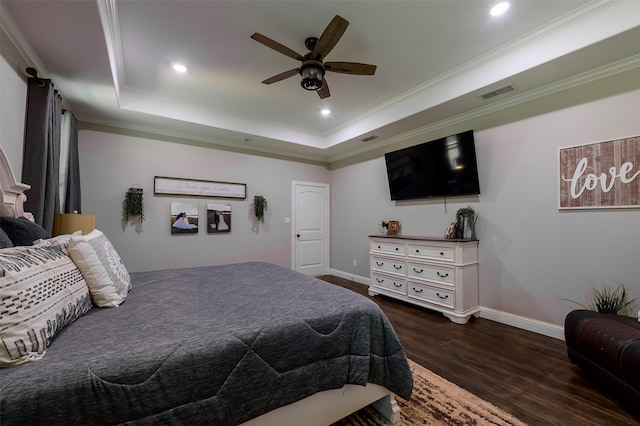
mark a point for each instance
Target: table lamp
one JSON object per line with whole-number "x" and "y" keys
{"x": 68, "y": 223}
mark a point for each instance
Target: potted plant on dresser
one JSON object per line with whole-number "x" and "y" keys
{"x": 465, "y": 225}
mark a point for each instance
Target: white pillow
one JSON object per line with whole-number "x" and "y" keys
{"x": 60, "y": 241}
{"x": 106, "y": 276}
{"x": 41, "y": 291}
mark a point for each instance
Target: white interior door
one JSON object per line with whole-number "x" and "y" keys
{"x": 310, "y": 227}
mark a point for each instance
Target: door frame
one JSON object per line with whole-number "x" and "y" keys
{"x": 294, "y": 225}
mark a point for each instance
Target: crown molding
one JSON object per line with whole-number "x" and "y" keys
{"x": 593, "y": 75}
{"x": 113, "y": 38}
{"x": 566, "y": 21}
{"x": 30, "y": 57}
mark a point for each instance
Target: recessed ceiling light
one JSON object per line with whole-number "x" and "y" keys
{"x": 499, "y": 8}
{"x": 179, "y": 68}
{"x": 325, "y": 111}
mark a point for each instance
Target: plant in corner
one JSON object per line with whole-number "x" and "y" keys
{"x": 133, "y": 208}
{"x": 608, "y": 300}
{"x": 259, "y": 207}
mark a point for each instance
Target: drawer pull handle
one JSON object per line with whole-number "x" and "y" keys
{"x": 442, "y": 275}
{"x": 445, "y": 297}
{"x": 417, "y": 290}
{"x": 397, "y": 248}
{"x": 379, "y": 247}
{"x": 417, "y": 251}
{"x": 379, "y": 263}
{"x": 397, "y": 285}
{"x": 397, "y": 267}
{"x": 441, "y": 253}
{"x": 379, "y": 280}
{"x": 418, "y": 271}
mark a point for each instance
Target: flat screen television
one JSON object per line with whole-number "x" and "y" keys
{"x": 439, "y": 168}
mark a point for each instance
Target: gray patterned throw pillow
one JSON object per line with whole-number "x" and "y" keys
{"x": 41, "y": 291}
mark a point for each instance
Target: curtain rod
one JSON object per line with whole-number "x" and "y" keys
{"x": 34, "y": 73}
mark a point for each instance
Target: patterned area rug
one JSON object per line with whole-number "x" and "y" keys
{"x": 436, "y": 401}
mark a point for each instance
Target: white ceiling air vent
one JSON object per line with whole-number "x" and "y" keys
{"x": 369, "y": 138}
{"x": 497, "y": 92}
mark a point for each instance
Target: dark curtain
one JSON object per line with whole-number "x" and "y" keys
{"x": 72, "y": 198}
{"x": 41, "y": 155}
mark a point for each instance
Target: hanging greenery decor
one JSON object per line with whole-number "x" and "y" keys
{"x": 259, "y": 207}
{"x": 133, "y": 208}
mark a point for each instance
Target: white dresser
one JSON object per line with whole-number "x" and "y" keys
{"x": 434, "y": 273}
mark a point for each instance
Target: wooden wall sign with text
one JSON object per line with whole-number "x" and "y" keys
{"x": 600, "y": 175}
{"x": 164, "y": 185}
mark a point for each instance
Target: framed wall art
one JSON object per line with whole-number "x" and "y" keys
{"x": 218, "y": 218}
{"x": 600, "y": 175}
{"x": 164, "y": 185}
{"x": 184, "y": 218}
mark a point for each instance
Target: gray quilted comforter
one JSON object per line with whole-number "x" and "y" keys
{"x": 211, "y": 345}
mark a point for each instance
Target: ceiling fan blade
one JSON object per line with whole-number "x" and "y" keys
{"x": 276, "y": 46}
{"x": 350, "y": 68}
{"x": 282, "y": 76}
{"x": 330, "y": 37}
{"x": 323, "y": 92}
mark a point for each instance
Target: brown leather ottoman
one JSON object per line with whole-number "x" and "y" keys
{"x": 607, "y": 348}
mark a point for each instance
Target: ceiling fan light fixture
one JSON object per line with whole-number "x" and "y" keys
{"x": 313, "y": 67}
{"x": 312, "y": 73}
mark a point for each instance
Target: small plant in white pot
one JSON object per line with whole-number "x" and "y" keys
{"x": 465, "y": 224}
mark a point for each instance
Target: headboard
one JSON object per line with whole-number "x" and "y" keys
{"x": 11, "y": 192}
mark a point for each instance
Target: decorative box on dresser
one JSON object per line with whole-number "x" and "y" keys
{"x": 434, "y": 273}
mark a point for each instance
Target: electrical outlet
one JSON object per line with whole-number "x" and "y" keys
{"x": 355, "y": 263}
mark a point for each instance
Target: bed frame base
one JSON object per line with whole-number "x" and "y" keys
{"x": 325, "y": 408}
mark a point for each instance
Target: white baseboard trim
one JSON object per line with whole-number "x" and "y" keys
{"x": 524, "y": 323}
{"x": 351, "y": 277}
{"x": 529, "y": 324}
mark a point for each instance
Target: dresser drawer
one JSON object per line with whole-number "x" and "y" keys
{"x": 445, "y": 254}
{"x": 431, "y": 294}
{"x": 393, "y": 284}
{"x": 388, "y": 248}
{"x": 388, "y": 265}
{"x": 434, "y": 273}
{"x": 441, "y": 274}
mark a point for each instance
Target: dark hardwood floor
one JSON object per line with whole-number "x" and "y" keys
{"x": 524, "y": 373}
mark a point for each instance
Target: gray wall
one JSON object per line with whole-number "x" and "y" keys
{"x": 531, "y": 254}
{"x": 110, "y": 164}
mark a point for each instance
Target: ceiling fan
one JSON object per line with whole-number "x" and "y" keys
{"x": 313, "y": 68}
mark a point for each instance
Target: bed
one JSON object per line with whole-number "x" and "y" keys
{"x": 249, "y": 343}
